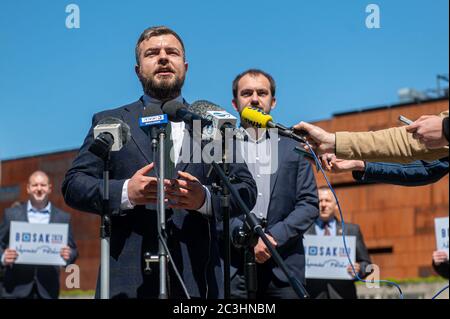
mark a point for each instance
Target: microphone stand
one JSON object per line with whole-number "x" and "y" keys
{"x": 102, "y": 148}
{"x": 244, "y": 238}
{"x": 105, "y": 233}
{"x": 158, "y": 137}
{"x": 253, "y": 224}
{"x": 225, "y": 213}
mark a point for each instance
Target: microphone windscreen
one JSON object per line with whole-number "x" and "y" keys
{"x": 201, "y": 108}
{"x": 171, "y": 108}
{"x": 125, "y": 133}
{"x": 256, "y": 117}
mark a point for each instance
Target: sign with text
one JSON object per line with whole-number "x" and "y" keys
{"x": 326, "y": 257}
{"x": 441, "y": 225}
{"x": 38, "y": 244}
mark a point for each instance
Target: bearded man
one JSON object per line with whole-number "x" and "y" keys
{"x": 191, "y": 216}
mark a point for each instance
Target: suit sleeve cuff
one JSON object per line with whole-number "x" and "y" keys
{"x": 125, "y": 201}
{"x": 206, "y": 209}
{"x": 445, "y": 127}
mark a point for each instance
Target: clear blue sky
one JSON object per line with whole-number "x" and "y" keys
{"x": 324, "y": 59}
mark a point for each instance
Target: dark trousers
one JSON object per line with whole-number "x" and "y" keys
{"x": 269, "y": 286}
{"x": 34, "y": 294}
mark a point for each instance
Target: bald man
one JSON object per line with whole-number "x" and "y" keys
{"x": 33, "y": 281}
{"x": 328, "y": 225}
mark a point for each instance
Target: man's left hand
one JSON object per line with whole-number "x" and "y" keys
{"x": 357, "y": 269}
{"x": 262, "y": 253}
{"x": 186, "y": 192}
{"x": 65, "y": 253}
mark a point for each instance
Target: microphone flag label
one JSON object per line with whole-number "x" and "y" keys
{"x": 153, "y": 120}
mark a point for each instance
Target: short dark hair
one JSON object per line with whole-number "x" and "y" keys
{"x": 155, "y": 32}
{"x": 253, "y": 72}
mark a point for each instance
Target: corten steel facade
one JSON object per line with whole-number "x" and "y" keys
{"x": 397, "y": 222}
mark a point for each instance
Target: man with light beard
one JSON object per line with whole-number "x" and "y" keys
{"x": 191, "y": 216}
{"x": 287, "y": 202}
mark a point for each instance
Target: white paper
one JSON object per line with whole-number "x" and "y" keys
{"x": 441, "y": 225}
{"x": 38, "y": 244}
{"x": 326, "y": 257}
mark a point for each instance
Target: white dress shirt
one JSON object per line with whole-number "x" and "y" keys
{"x": 259, "y": 158}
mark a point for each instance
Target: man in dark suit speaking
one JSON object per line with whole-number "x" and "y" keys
{"x": 191, "y": 218}
{"x": 328, "y": 225}
{"x": 287, "y": 196}
{"x": 34, "y": 281}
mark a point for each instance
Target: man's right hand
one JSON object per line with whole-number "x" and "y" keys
{"x": 10, "y": 256}
{"x": 320, "y": 140}
{"x": 142, "y": 189}
{"x": 336, "y": 165}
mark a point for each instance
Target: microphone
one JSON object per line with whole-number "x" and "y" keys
{"x": 152, "y": 118}
{"x": 219, "y": 118}
{"x": 177, "y": 112}
{"x": 110, "y": 135}
{"x": 258, "y": 118}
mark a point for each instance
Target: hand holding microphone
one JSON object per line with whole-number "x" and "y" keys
{"x": 320, "y": 140}
{"x": 258, "y": 118}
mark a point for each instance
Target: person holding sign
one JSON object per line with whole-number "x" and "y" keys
{"x": 328, "y": 225}
{"x": 440, "y": 263}
{"x": 440, "y": 256}
{"x": 22, "y": 279}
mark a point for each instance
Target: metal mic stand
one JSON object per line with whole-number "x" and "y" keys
{"x": 244, "y": 238}
{"x": 225, "y": 207}
{"x": 102, "y": 148}
{"x": 105, "y": 234}
{"x": 257, "y": 228}
{"x": 158, "y": 136}
{"x": 225, "y": 213}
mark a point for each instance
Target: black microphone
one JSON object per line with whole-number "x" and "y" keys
{"x": 177, "y": 112}
{"x": 110, "y": 135}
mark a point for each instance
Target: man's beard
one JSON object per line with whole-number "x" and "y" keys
{"x": 163, "y": 90}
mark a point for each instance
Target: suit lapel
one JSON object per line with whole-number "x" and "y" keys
{"x": 338, "y": 228}
{"x": 23, "y": 214}
{"x": 312, "y": 230}
{"x": 53, "y": 217}
{"x": 274, "y": 176}
{"x": 142, "y": 141}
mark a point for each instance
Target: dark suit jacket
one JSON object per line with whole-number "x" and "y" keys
{"x": 442, "y": 269}
{"x": 192, "y": 236}
{"x": 293, "y": 207}
{"x": 340, "y": 289}
{"x": 19, "y": 279}
{"x": 417, "y": 173}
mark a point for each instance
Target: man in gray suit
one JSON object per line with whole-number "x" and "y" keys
{"x": 328, "y": 225}
{"x": 33, "y": 281}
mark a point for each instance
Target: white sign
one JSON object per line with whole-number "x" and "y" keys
{"x": 441, "y": 225}
{"x": 38, "y": 244}
{"x": 326, "y": 257}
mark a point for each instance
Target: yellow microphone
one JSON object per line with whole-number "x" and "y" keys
{"x": 258, "y": 118}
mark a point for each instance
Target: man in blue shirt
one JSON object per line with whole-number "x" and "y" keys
{"x": 33, "y": 281}
{"x": 328, "y": 225}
